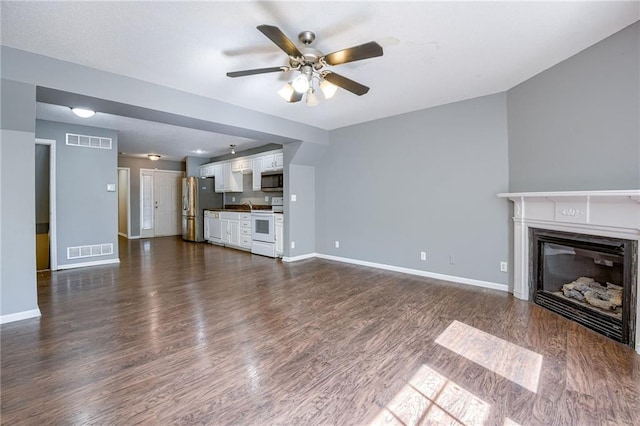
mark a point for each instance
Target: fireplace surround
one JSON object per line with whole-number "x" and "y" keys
{"x": 608, "y": 214}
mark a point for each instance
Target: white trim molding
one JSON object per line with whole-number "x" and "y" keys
{"x": 19, "y": 316}
{"x": 301, "y": 257}
{"x": 603, "y": 213}
{"x": 418, "y": 272}
{"x": 85, "y": 264}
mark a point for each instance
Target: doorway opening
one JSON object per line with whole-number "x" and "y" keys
{"x": 45, "y": 168}
{"x": 124, "y": 202}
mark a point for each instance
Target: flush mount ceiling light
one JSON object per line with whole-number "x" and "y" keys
{"x": 310, "y": 65}
{"x": 83, "y": 112}
{"x": 233, "y": 149}
{"x": 153, "y": 157}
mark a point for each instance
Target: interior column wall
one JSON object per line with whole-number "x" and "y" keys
{"x": 18, "y": 291}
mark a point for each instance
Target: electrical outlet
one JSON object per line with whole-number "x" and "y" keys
{"x": 266, "y": 198}
{"x": 504, "y": 266}
{"x": 233, "y": 199}
{"x": 293, "y": 197}
{"x": 451, "y": 261}
{"x": 337, "y": 244}
{"x": 423, "y": 255}
{"x": 293, "y": 244}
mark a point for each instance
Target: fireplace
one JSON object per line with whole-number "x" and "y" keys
{"x": 587, "y": 278}
{"x": 591, "y": 232}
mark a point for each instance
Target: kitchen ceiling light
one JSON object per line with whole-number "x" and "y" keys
{"x": 153, "y": 157}
{"x": 328, "y": 89}
{"x": 83, "y": 113}
{"x": 233, "y": 149}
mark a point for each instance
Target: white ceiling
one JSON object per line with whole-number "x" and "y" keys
{"x": 434, "y": 52}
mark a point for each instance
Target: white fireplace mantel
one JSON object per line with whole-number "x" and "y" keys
{"x": 605, "y": 213}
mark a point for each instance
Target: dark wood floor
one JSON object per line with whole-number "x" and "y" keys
{"x": 183, "y": 333}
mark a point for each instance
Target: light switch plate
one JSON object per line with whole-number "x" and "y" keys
{"x": 111, "y": 187}
{"x": 293, "y": 197}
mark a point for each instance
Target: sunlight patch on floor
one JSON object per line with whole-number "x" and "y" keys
{"x": 510, "y": 361}
{"x": 431, "y": 398}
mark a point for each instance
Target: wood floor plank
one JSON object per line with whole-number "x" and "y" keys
{"x": 183, "y": 333}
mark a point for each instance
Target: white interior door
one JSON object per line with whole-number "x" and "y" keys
{"x": 167, "y": 197}
{"x": 160, "y": 203}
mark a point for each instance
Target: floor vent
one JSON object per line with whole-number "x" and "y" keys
{"x": 88, "y": 141}
{"x": 89, "y": 251}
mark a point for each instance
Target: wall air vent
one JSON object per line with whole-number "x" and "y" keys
{"x": 89, "y": 251}
{"x": 88, "y": 141}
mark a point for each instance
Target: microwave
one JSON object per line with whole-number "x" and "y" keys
{"x": 272, "y": 181}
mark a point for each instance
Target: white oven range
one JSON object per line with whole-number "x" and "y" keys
{"x": 263, "y": 229}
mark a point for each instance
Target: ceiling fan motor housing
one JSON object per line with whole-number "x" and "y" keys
{"x": 307, "y": 37}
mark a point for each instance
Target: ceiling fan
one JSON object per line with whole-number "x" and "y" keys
{"x": 311, "y": 65}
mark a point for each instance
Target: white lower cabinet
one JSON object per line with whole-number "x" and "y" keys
{"x": 245, "y": 231}
{"x": 212, "y": 227}
{"x": 279, "y": 228}
{"x": 232, "y": 232}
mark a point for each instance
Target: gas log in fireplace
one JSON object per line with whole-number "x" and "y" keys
{"x": 588, "y": 279}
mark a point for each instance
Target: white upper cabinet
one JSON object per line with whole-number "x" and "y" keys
{"x": 219, "y": 177}
{"x": 228, "y": 174}
{"x": 242, "y": 165}
{"x": 207, "y": 170}
{"x": 257, "y": 174}
{"x": 226, "y": 180}
{"x": 273, "y": 162}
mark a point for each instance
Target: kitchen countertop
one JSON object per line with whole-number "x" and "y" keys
{"x": 242, "y": 208}
{"x": 234, "y": 210}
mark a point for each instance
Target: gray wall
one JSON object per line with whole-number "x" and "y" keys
{"x": 422, "y": 181}
{"x": 17, "y": 198}
{"x": 86, "y": 213}
{"x": 575, "y": 125}
{"x": 192, "y": 165}
{"x": 301, "y": 230}
{"x": 135, "y": 164}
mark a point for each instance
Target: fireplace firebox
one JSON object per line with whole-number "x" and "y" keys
{"x": 588, "y": 279}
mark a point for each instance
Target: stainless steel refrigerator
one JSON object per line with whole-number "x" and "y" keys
{"x": 197, "y": 195}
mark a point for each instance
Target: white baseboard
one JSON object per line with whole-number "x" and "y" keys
{"x": 33, "y": 313}
{"x": 85, "y": 264}
{"x": 301, "y": 257}
{"x": 452, "y": 278}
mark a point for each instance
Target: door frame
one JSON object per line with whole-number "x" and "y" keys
{"x": 53, "y": 239}
{"x": 152, "y": 171}
{"x": 128, "y": 170}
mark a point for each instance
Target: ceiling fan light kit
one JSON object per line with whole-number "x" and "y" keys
{"x": 311, "y": 63}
